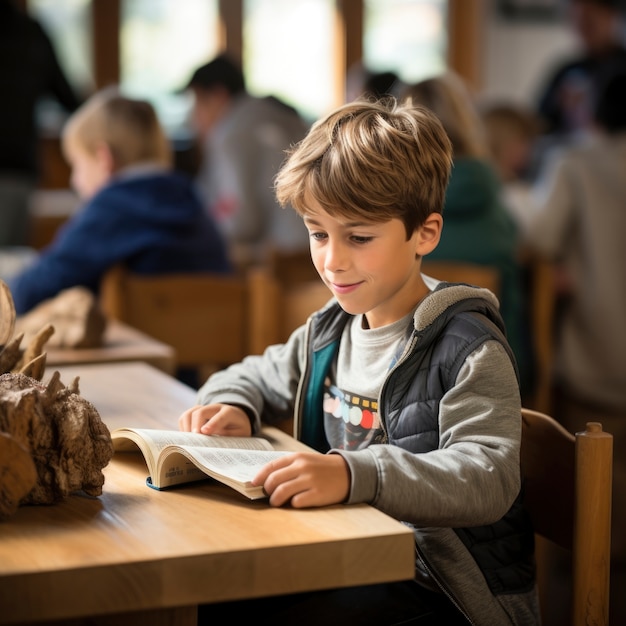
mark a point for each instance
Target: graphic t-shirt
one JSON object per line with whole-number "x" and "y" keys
{"x": 352, "y": 387}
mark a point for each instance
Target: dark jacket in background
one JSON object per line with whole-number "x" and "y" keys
{"x": 152, "y": 223}
{"x": 580, "y": 75}
{"x": 29, "y": 71}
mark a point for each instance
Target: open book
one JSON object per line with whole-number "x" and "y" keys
{"x": 174, "y": 457}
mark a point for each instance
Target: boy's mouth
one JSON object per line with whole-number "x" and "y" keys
{"x": 344, "y": 288}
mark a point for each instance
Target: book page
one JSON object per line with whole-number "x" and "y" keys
{"x": 234, "y": 467}
{"x": 159, "y": 439}
{"x": 151, "y": 442}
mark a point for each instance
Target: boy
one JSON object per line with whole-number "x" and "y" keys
{"x": 137, "y": 211}
{"x": 406, "y": 385}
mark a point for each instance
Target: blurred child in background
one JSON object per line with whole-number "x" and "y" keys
{"x": 137, "y": 211}
{"x": 512, "y": 132}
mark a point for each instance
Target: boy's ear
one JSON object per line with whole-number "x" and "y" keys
{"x": 428, "y": 234}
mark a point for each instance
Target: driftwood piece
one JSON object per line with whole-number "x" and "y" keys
{"x": 32, "y": 360}
{"x": 74, "y": 314}
{"x": 62, "y": 432}
{"x": 10, "y": 354}
{"x": 52, "y": 441}
{"x": 7, "y": 313}
{"x": 36, "y": 346}
{"x": 18, "y": 474}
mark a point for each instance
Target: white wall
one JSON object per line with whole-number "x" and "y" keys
{"x": 518, "y": 55}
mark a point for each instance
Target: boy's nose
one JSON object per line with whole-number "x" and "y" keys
{"x": 336, "y": 257}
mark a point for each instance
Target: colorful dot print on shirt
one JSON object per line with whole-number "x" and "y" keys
{"x": 354, "y": 416}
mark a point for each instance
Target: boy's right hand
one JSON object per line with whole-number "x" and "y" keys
{"x": 216, "y": 419}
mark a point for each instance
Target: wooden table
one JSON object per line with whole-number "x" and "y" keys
{"x": 121, "y": 343}
{"x": 159, "y": 554}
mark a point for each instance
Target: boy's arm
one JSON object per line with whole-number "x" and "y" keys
{"x": 474, "y": 476}
{"x": 261, "y": 384}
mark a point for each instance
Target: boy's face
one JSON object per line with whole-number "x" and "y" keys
{"x": 370, "y": 267}
{"x": 90, "y": 172}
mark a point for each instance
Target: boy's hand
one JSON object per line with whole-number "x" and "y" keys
{"x": 305, "y": 479}
{"x": 216, "y": 419}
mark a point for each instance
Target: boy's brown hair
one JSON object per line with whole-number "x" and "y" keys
{"x": 370, "y": 160}
{"x": 130, "y": 128}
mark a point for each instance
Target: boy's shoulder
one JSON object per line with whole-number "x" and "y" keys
{"x": 447, "y": 301}
{"x": 464, "y": 326}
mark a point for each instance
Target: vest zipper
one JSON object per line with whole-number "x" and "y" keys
{"x": 440, "y": 584}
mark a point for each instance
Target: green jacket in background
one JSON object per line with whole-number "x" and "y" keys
{"x": 478, "y": 229}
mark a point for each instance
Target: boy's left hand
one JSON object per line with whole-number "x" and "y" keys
{"x": 305, "y": 479}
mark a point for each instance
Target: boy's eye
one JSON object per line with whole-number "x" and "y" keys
{"x": 361, "y": 239}
{"x": 318, "y": 236}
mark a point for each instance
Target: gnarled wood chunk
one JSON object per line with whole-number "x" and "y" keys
{"x": 7, "y": 313}
{"x": 52, "y": 441}
{"x": 18, "y": 474}
{"x": 63, "y": 433}
{"x": 74, "y": 314}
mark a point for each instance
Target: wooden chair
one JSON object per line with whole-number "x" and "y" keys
{"x": 291, "y": 268}
{"x": 202, "y": 316}
{"x": 567, "y": 492}
{"x": 277, "y": 309}
{"x": 461, "y": 272}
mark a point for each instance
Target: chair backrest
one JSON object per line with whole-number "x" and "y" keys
{"x": 461, "y": 272}
{"x": 203, "y": 316}
{"x": 291, "y": 267}
{"x": 277, "y": 309}
{"x": 567, "y": 492}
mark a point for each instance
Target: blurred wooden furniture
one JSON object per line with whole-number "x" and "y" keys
{"x": 121, "y": 343}
{"x": 567, "y": 482}
{"x": 543, "y": 302}
{"x": 277, "y": 308}
{"x": 202, "y": 316}
{"x": 461, "y": 272}
{"x": 291, "y": 268}
{"x": 139, "y": 557}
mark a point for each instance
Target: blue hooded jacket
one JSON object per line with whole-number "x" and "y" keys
{"x": 152, "y": 223}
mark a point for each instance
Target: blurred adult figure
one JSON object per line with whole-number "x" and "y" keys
{"x": 244, "y": 139}
{"x": 477, "y": 228}
{"x": 364, "y": 83}
{"x": 565, "y": 102}
{"x": 580, "y": 226}
{"x": 29, "y": 71}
